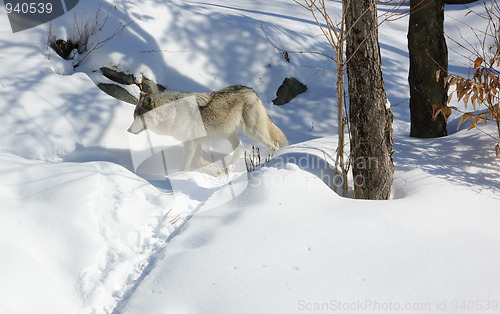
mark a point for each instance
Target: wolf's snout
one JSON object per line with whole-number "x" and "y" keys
{"x": 137, "y": 126}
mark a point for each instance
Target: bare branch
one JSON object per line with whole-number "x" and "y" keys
{"x": 294, "y": 51}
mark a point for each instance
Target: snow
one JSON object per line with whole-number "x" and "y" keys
{"x": 316, "y": 249}
{"x": 85, "y": 229}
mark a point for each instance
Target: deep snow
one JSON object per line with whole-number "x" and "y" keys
{"x": 81, "y": 232}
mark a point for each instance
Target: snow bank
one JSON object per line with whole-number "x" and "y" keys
{"x": 288, "y": 245}
{"x": 75, "y": 236}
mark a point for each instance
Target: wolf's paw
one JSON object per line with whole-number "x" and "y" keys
{"x": 229, "y": 169}
{"x": 216, "y": 170}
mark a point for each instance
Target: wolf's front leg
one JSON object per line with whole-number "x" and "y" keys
{"x": 188, "y": 153}
{"x": 237, "y": 149}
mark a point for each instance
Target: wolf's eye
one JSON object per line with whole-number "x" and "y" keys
{"x": 144, "y": 105}
{"x": 148, "y": 104}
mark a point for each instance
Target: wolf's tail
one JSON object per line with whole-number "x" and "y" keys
{"x": 277, "y": 136}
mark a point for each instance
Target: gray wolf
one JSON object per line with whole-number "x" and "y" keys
{"x": 223, "y": 114}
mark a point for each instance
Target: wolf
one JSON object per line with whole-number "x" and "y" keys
{"x": 224, "y": 113}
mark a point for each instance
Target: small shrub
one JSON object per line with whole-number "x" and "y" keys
{"x": 254, "y": 160}
{"x": 483, "y": 89}
{"x": 85, "y": 37}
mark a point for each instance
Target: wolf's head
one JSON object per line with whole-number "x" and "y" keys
{"x": 144, "y": 105}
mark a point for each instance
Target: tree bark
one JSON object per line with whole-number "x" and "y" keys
{"x": 428, "y": 54}
{"x": 371, "y": 121}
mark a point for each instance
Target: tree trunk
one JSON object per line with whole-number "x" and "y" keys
{"x": 428, "y": 54}
{"x": 371, "y": 121}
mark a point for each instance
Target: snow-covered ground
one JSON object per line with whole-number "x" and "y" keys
{"x": 82, "y": 232}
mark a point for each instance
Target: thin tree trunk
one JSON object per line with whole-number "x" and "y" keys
{"x": 340, "y": 109}
{"x": 371, "y": 121}
{"x": 428, "y": 54}
{"x": 340, "y": 163}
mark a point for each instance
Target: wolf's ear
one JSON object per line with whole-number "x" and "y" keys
{"x": 145, "y": 100}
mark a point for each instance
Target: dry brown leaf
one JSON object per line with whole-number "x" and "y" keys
{"x": 478, "y": 62}
{"x": 438, "y": 72}
{"x": 477, "y": 75}
{"x": 481, "y": 86}
{"x": 496, "y": 83}
{"x": 495, "y": 112}
{"x": 489, "y": 99}
{"x": 460, "y": 93}
{"x": 474, "y": 123}
{"x": 444, "y": 110}
{"x": 476, "y": 88}
{"x": 466, "y": 116}
{"x": 436, "y": 109}
{"x": 466, "y": 99}
{"x": 482, "y": 117}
